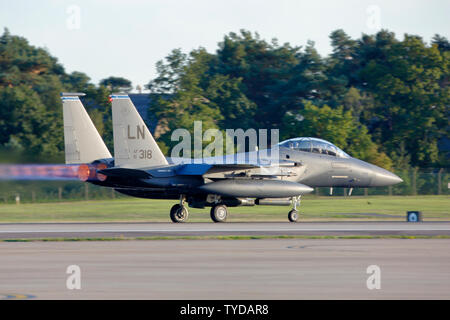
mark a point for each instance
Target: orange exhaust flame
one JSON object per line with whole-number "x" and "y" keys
{"x": 84, "y": 172}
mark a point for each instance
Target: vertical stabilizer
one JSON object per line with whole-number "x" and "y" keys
{"x": 82, "y": 141}
{"x": 134, "y": 146}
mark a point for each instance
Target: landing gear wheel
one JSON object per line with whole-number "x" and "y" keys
{"x": 179, "y": 213}
{"x": 293, "y": 215}
{"x": 219, "y": 213}
{"x": 174, "y": 208}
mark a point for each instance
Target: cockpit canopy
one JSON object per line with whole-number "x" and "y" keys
{"x": 314, "y": 145}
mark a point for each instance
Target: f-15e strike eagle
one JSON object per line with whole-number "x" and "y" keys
{"x": 140, "y": 169}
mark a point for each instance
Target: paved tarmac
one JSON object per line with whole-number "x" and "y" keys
{"x": 235, "y": 269}
{"x": 100, "y": 230}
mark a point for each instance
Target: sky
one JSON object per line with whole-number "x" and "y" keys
{"x": 105, "y": 38}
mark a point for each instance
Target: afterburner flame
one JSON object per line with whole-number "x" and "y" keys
{"x": 39, "y": 172}
{"x": 84, "y": 172}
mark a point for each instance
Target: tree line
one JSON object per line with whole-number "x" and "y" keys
{"x": 379, "y": 98}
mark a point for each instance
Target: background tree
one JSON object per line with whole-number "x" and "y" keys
{"x": 409, "y": 102}
{"x": 339, "y": 126}
{"x": 380, "y": 98}
{"x": 116, "y": 84}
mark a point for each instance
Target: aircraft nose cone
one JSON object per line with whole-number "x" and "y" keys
{"x": 383, "y": 178}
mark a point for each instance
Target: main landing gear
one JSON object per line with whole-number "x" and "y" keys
{"x": 219, "y": 213}
{"x": 179, "y": 212}
{"x": 293, "y": 214}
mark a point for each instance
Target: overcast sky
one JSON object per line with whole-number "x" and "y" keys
{"x": 126, "y": 38}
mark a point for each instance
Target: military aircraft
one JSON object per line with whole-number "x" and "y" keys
{"x": 140, "y": 169}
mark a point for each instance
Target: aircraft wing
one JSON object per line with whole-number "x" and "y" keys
{"x": 253, "y": 170}
{"x": 202, "y": 168}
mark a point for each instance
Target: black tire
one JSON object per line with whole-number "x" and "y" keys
{"x": 179, "y": 213}
{"x": 293, "y": 215}
{"x": 174, "y": 208}
{"x": 219, "y": 213}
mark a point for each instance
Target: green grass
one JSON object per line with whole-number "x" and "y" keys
{"x": 312, "y": 208}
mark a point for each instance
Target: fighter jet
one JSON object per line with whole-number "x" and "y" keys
{"x": 140, "y": 169}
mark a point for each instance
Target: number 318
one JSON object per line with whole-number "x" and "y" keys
{"x": 145, "y": 154}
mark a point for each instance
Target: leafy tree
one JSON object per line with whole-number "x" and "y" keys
{"x": 117, "y": 84}
{"x": 77, "y": 81}
{"x": 169, "y": 73}
{"x": 441, "y": 42}
{"x": 373, "y": 96}
{"x": 343, "y": 62}
{"x": 338, "y": 126}
{"x": 28, "y": 128}
{"x": 307, "y": 81}
{"x": 190, "y": 101}
{"x": 30, "y": 107}
{"x": 263, "y": 69}
{"x": 31, "y": 114}
{"x": 409, "y": 104}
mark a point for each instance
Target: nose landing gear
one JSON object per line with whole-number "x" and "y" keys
{"x": 293, "y": 214}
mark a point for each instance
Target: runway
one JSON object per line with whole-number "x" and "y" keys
{"x": 217, "y": 269}
{"x": 100, "y": 230}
